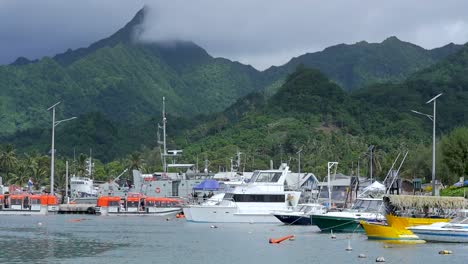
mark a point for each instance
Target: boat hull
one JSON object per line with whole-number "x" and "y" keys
{"x": 389, "y": 234}
{"x": 337, "y": 224}
{"x": 294, "y": 219}
{"x": 448, "y": 236}
{"x": 220, "y": 214}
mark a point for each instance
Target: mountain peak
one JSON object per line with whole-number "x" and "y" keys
{"x": 392, "y": 39}
{"x": 127, "y": 34}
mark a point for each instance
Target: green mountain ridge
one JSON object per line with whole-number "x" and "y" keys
{"x": 357, "y": 65}
{"x": 115, "y": 86}
{"x": 311, "y": 113}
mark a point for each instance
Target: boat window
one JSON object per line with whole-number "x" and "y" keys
{"x": 254, "y": 176}
{"x": 16, "y": 202}
{"x": 259, "y": 198}
{"x": 132, "y": 204}
{"x": 150, "y": 203}
{"x": 228, "y": 196}
{"x": 361, "y": 205}
{"x": 268, "y": 177}
{"x": 114, "y": 203}
{"x": 35, "y": 201}
{"x": 158, "y": 204}
{"x": 374, "y": 205}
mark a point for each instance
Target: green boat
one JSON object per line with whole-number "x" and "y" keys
{"x": 348, "y": 221}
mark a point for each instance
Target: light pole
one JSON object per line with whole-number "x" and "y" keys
{"x": 433, "y": 118}
{"x": 299, "y": 169}
{"x": 54, "y": 124}
{"x": 330, "y": 165}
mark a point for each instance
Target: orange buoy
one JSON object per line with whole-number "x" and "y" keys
{"x": 281, "y": 239}
{"x": 180, "y": 216}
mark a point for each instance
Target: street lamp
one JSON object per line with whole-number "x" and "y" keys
{"x": 330, "y": 165}
{"x": 54, "y": 124}
{"x": 433, "y": 118}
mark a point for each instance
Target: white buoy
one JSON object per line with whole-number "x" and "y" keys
{"x": 332, "y": 235}
{"x": 362, "y": 256}
{"x": 213, "y": 226}
{"x": 39, "y": 224}
{"x": 380, "y": 259}
{"x": 349, "y": 248}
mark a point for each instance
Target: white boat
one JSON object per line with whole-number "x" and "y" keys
{"x": 251, "y": 202}
{"x": 456, "y": 231}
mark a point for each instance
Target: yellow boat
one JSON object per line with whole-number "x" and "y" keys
{"x": 395, "y": 231}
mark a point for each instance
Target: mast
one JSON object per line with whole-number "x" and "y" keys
{"x": 164, "y": 135}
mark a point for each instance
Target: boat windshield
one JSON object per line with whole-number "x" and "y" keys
{"x": 266, "y": 176}
{"x": 367, "y": 205}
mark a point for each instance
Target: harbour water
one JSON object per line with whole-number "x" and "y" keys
{"x": 98, "y": 239}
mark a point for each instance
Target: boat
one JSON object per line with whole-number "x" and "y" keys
{"x": 395, "y": 230}
{"x": 418, "y": 210}
{"x": 28, "y": 204}
{"x": 137, "y": 204}
{"x": 456, "y": 231}
{"x": 300, "y": 216}
{"x": 249, "y": 202}
{"x": 368, "y": 209}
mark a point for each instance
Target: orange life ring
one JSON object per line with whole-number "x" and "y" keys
{"x": 158, "y": 190}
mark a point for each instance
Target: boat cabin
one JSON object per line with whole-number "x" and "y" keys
{"x": 367, "y": 205}
{"x": 111, "y": 202}
{"x": 153, "y": 203}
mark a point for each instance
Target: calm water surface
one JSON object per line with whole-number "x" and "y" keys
{"x": 98, "y": 239}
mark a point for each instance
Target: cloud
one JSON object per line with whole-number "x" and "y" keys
{"x": 34, "y": 29}
{"x": 261, "y": 32}
{"x": 266, "y": 32}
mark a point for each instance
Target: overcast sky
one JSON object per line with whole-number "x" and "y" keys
{"x": 257, "y": 32}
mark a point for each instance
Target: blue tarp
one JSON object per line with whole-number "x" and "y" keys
{"x": 460, "y": 184}
{"x": 207, "y": 185}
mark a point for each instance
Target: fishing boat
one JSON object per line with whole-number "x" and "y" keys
{"x": 300, "y": 216}
{"x": 249, "y": 202}
{"x": 137, "y": 204}
{"x": 407, "y": 211}
{"x": 395, "y": 230}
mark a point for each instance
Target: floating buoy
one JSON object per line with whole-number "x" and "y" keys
{"x": 387, "y": 246}
{"x": 362, "y": 256}
{"x": 292, "y": 238}
{"x": 213, "y": 226}
{"x": 380, "y": 259}
{"x": 445, "y": 252}
{"x": 332, "y": 235}
{"x": 349, "y": 248}
{"x": 74, "y": 220}
{"x": 39, "y": 224}
{"x": 167, "y": 219}
{"x": 279, "y": 240}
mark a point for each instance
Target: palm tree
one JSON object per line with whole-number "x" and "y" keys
{"x": 135, "y": 161}
{"x": 81, "y": 164}
{"x": 8, "y": 160}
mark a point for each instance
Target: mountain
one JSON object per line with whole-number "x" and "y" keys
{"x": 357, "y": 65}
{"x": 123, "y": 79}
{"x": 115, "y": 87}
{"x": 313, "y": 114}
